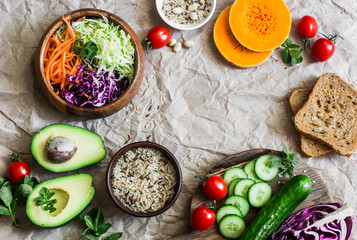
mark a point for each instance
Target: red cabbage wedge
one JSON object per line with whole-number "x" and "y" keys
{"x": 321, "y": 222}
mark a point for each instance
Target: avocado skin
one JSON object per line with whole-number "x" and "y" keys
{"x": 90, "y": 147}
{"x": 80, "y": 203}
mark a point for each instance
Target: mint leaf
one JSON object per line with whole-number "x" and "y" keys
{"x": 25, "y": 189}
{"x": 294, "y": 46}
{"x": 296, "y": 160}
{"x": 2, "y": 181}
{"x": 82, "y": 215}
{"x": 289, "y": 161}
{"x": 14, "y": 205}
{"x": 6, "y": 195}
{"x": 91, "y": 237}
{"x": 44, "y": 199}
{"x": 275, "y": 161}
{"x": 103, "y": 228}
{"x": 97, "y": 227}
{"x": 286, "y": 56}
{"x": 114, "y": 236}
{"x": 99, "y": 219}
{"x": 288, "y": 42}
{"x": 4, "y": 211}
{"x": 89, "y": 222}
{"x": 292, "y": 52}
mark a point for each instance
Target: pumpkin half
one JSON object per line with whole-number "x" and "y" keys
{"x": 260, "y": 25}
{"x": 230, "y": 48}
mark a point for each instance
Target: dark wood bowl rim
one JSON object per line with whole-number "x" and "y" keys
{"x": 108, "y": 108}
{"x": 167, "y": 154}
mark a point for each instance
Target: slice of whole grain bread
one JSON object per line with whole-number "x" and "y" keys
{"x": 309, "y": 147}
{"x": 330, "y": 114}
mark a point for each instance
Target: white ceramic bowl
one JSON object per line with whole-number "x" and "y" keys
{"x": 182, "y": 26}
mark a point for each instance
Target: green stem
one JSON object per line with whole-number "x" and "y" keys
{"x": 13, "y": 218}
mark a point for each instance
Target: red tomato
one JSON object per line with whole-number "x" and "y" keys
{"x": 215, "y": 188}
{"x": 202, "y": 218}
{"x": 307, "y": 27}
{"x": 159, "y": 37}
{"x": 323, "y": 49}
{"x": 17, "y": 171}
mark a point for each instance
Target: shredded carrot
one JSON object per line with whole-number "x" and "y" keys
{"x": 59, "y": 59}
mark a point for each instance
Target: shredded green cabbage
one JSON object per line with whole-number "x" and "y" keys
{"x": 115, "y": 50}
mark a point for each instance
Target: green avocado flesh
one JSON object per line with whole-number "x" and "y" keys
{"x": 73, "y": 194}
{"x": 90, "y": 147}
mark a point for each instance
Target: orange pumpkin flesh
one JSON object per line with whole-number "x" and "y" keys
{"x": 260, "y": 25}
{"x": 230, "y": 48}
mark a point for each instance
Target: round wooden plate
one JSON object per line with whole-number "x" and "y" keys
{"x": 319, "y": 193}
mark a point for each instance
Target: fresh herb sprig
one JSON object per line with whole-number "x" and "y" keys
{"x": 87, "y": 50}
{"x": 286, "y": 163}
{"x": 96, "y": 226}
{"x": 45, "y": 199}
{"x": 11, "y": 197}
{"x": 292, "y": 52}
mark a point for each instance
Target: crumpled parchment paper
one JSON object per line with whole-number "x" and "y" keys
{"x": 193, "y": 102}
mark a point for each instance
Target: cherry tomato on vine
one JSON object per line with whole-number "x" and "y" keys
{"x": 323, "y": 49}
{"x": 215, "y": 187}
{"x": 17, "y": 170}
{"x": 307, "y": 27}
{"x": 202, "y": 218}
{"x": 157, "y": 37}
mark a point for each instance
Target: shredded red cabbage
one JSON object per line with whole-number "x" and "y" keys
{"x": 92, "y": 90}
{"x": 297, "y": 225}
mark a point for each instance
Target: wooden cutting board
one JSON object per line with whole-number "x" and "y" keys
{"x": 319, "y": 193}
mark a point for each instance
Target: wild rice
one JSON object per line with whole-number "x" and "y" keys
{"x": 143, "y": 179}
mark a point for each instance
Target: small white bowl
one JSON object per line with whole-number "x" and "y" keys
{"x": 182, "y": 26}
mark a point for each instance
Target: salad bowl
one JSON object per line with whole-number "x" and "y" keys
{"x": 108, "y": 108}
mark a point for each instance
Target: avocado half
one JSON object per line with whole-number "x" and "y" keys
{"x": 90, "y": 147}
{"x": 73, "y": 194}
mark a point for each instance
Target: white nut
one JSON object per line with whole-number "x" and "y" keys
{"x": 192, "y": 7}
{"x": 177, "y": 10}
{"x": 193, "y": 16}
{"x": 189, "y": 44}
{"x": 172, "y": 42}
{"x": 177, "y": 47}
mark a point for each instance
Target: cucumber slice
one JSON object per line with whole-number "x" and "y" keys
{"x": 249, "y": 168}
{"x": 240, "y": 202}
{"x": 242, "y": 187}
{"x": 259, "y": 194}
{"x": 231, "y": 226}
{"x": 234, "y": 173}
{"x": 264, "y": 169}
{"x": 226, "y": 210}
{"x": 231, "y": 186}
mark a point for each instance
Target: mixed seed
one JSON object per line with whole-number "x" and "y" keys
{"x": 186, "y": 12}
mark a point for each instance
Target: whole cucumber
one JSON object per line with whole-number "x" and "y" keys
{"x": 278, "y": 208}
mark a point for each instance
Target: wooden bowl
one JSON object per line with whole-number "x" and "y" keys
{"x": 86, "y": 112}
{"x": 167, "y": 154}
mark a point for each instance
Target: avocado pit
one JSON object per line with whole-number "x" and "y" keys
{"x": 60, "y": 149}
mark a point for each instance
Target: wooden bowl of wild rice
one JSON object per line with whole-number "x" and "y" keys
{"x": 144, "y": 179}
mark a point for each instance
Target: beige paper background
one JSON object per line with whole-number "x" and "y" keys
{"x": 203, "y": 109}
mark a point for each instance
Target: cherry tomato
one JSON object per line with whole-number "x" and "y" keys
{"x": 158, "y": 37}
{"x": 215, "y": 187}
{"x": 202, "y": 218}
{"x": 323, "y": 49}
{"x": 307, "y": 27}
{"x": 17, "y": 171}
